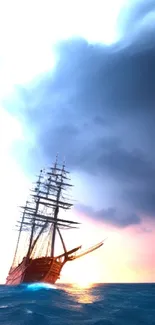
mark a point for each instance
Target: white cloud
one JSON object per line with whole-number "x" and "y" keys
{"x": 29, "y": 28}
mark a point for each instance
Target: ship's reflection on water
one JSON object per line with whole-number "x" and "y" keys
{"x": 81, "y": 293}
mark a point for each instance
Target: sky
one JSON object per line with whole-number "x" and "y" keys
{"x": 77, "y": 78}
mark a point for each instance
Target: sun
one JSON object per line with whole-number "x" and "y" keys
{"x": 84, "y": 277}
{"x": 83, "y": 284}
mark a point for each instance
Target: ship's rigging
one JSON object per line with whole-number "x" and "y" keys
{"x": 40, "y": 214}
{"x": 41, "y": 224}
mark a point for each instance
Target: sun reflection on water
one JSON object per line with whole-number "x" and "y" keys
{"x": 81, "y": 292}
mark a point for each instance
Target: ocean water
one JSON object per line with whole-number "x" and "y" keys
{"x": 101, "y": 304}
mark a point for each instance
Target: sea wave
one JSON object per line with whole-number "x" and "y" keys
{"x": 102, "y": 304}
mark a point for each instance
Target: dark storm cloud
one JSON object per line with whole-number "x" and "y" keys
{"x": 110, "y": 215}
{"x": 134, "y": 174}
{"x": 142, "y": 199}
{"x": 93, "y": 91}
{"x": 96, "y": 80}
{"x": 91, "y": 84}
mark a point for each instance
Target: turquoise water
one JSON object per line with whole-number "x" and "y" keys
{"x": 101, "y": 304}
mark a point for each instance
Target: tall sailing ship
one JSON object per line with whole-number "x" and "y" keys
{"x": 35, "y": 258}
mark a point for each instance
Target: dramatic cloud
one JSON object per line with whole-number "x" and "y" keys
{"x": 110, "y": 215}
{"x": 97, "y": 108}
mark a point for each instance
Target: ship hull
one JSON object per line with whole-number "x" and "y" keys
{"x": 45, "y": 269}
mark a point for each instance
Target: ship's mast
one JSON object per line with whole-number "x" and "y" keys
{"x": 56, "y": 211}
{"x": 42, "y": 213}
{"x": 34, "y": 216}
{"x": 19, "y": 235}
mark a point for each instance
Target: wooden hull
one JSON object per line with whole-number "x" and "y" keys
{"x": 44, "y": 269}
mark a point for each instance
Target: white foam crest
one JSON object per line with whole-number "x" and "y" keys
{"x": 39, "y": 286}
